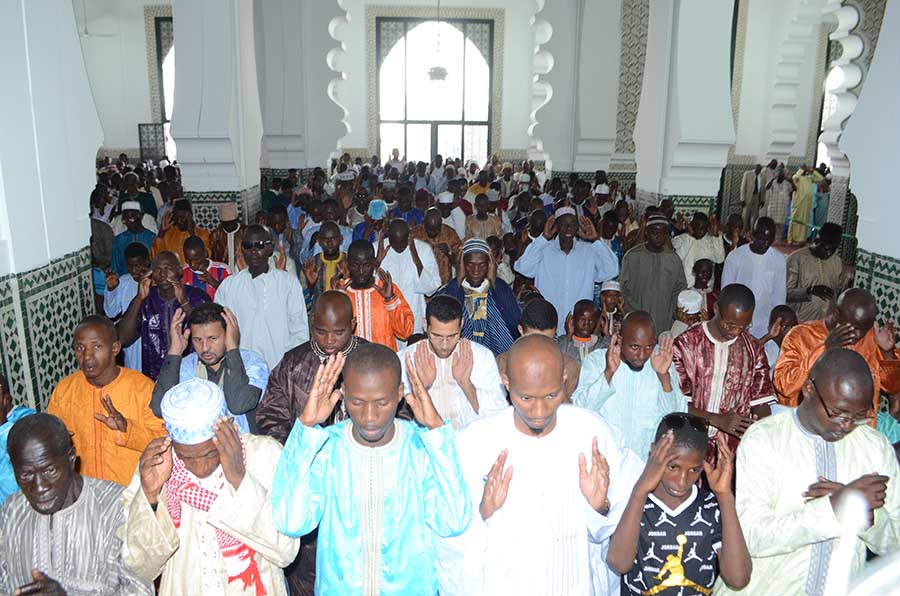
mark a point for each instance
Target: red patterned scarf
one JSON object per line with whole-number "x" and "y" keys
{"x": 239, "y": 558}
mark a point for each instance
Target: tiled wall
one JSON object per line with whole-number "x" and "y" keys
{"x": 206, "y": 205}
{"x": 39, "y": 310}
{"x": 880, "y": 275}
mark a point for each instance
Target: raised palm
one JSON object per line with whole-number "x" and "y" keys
{"x": 322, "y": 395}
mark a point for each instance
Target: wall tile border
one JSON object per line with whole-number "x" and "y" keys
{"x": 151, "y": 11}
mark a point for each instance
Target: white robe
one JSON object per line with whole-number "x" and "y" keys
{"x": 189, "y": 558}
{"x": 545, "y": 540}
{"x": 449, "y": 399}
{"x": 765, "y": 275}
{"x": 270, "y": 310}
{"x": 414, "y": 285}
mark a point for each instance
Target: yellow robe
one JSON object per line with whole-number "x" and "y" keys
{"x": 801, "y": 205}
{"x": 174, "y": 241}
{"x": 105, "y": 453}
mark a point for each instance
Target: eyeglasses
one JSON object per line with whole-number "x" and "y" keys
{"x": 733, "y": 327}
{"x": 677, "y": 420}
{"x": 841, "y": 418}
{"x": 258, "y": 245}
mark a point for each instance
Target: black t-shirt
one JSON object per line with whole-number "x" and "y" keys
{"x": 678, "y": 546}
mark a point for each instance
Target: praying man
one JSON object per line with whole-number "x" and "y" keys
{"x": 380, "y": 490}
{"x": 633, "y": 397}
{"x": 107, "y": 407}
{"x": 794, "y": 470}
{"x": 198, "y": 510}
{"x": 58, "y": 535}
{"x": 548, "y": 483}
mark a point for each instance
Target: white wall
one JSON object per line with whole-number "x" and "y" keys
{"x": 870, "y": 141}
{"x": 517, "y": 53}
{"x": 48, "y": 139}
{"x": 115, "y": 55}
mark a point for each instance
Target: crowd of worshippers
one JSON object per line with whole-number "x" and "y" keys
{"x": 422, "y": 378}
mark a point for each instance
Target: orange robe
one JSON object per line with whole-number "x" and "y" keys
{"x": 104, "y": 452}
{"x": 803, "y": 345}
{"x": 174, "y": 241}
{"x": 379, "y": 321}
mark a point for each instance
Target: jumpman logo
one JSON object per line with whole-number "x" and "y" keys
{"x": 692, "y": 555}
{"x": 671, "y": 575}
{"x": 717, "y": 515}
{"x": 651, "y": 555}
{"x": 663, "y": 519}
{"x": 698, "y": 519}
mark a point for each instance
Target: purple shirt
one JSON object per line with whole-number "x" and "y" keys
{"x": 155, "y": 318}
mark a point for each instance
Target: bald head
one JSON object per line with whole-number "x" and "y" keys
{"x": 857, "y": 303}
{"x": 534, "y": 354}
{"x": 844, "y": 374}
{"x": 638, "y": 319}
{"x": 736, "y": 296}
{"x": 334, "y": 304}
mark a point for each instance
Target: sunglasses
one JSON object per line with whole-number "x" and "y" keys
{"x": 258, "y": 245}
{"x": 677, "y": 420}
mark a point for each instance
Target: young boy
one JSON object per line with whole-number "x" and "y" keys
{"x": 483, "y": 223}
{"x": 579, "y": 340}
{"x": 612, "y": 307}
{"x": 504, "y": 271}
{"x": 703, "y": 274}
{"x": 378, "y": 489}
{"x": 781, "y": 320}
{"x": 672, "y": 534}
{"x": 199, "y": 271}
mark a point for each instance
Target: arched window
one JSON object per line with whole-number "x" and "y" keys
{"x": 421, "y": 114}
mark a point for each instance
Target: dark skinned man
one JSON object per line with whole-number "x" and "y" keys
{"x": 653, "y": 275}
{"x": 633, "y": 397}
{"x": 104, "y": 405}
{"x": 851, "y": 324}
{"x": 382, "y": 314}
{"x": 723, "y": 370}
{"x": 520, "y": 468}
{"x": 815, "y": 274}
{"x": 444, "y": 242}
{"x": 379, "y": 490}
{"x": 58, "y": 535}
{"x": 198, "y": 504}
{"x": 794, "y": 471}
{"x": 176, "y": 226}
{"x": 149, "y": 316}
{"x": 762, "y": 269}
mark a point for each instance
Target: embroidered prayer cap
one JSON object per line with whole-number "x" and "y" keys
{"x": 656, "y": 220}
{"x": 190, "y": 409}
{"x": 493, "y": 195}
{"x": 564, "y": 211}
{"x": 601, "y": 189}
{"x": 377, "y": 209}
{"x": 228, "y": 211}
{"x": 446, "y": 197}
{"x": 611, "y": 286}
{"x": 690, "y": 301}
{"x": 476, "y": 245}
{"x": 131, "y": 206}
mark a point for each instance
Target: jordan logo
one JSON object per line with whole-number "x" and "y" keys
{"x": 651, "y": 555}
{"x": 698, "y": 519}
{"x": 663, "y": 519}
{"x": 673, "y": 571}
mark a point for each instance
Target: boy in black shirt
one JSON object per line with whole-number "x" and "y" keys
{"x": 675, "y": 538}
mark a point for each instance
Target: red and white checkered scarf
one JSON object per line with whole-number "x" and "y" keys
{"x": 238, "y": 557}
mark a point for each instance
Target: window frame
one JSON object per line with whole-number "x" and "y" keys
{"x": 409, "y": 23}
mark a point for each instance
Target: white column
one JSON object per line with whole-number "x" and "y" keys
{"x": 870, "y": 142}
{"x": 577, "y": 60}
{"x": 296, "y": 50}
{"x": 684, "y": 124}
{"x": 48, "y": 139}
{"x": 216, "y": 120}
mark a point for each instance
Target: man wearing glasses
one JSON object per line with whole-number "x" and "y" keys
{"x": 268, "y": 302}
{"x": 794, "y": 469}
{"x": 723, "y": 370}
{"x": 851, "y": 324}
